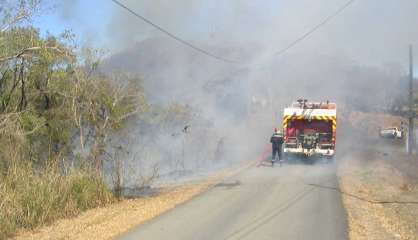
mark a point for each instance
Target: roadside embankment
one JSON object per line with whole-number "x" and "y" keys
{"x": 379, "y": 183}
{"x": 30, "y": 199}
{"x": 109, "y": 222}
{"x": 380, "y": 198}
{"x": 115, "y": 219}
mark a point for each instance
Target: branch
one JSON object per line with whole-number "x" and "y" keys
{"x": 6, "y": 118}
{"x": 21, "y": 16}
{"x": 129, "y": 114}
{"x": 24, "y": 12}
{"x": 27, "y": 52}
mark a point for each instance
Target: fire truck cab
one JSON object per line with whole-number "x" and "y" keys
{"x": 309, "y": 129}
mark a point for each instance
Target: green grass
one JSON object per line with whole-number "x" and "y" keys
{"x": 29, "y": 198}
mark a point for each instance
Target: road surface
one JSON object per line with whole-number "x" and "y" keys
{"x": 258, "y": 203}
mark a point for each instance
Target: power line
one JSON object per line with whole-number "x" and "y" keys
{"x": 310, "y": 32}
{"x": 315, "y": 28}
{"x": 203, "y": 51}
{"x": 207, "y": 53}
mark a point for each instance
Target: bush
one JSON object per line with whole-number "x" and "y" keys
{"x": 30, "y": 199}
{"x": 54, "y": 104}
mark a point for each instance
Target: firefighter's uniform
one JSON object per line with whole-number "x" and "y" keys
{"x": 276, "y": 143}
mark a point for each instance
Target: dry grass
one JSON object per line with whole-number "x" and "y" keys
{"x": 377, "y": 169}
{"x": 371, "y": 122}
{"x": 109, "y": 222}
{"x": 115, "y": 219}
{"x": 30, "y": 199}
{"x": 378, "y": 180}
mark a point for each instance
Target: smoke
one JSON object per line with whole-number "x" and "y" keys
{"x": 370, "y": 32}
{"x": 68, "y": 9}
{"x": 357, "y": 60}
{"x": 363, "y": 49}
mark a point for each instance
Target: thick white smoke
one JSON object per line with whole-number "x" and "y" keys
{"x": 358, "y": 60}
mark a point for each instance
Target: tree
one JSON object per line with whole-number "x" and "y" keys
{"x": 49, "y": 97}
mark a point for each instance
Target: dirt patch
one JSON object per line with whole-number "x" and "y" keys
{"x": 375, "y": 176}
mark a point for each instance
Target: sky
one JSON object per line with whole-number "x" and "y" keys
{"x": 100, "y": 16}
{"x": 87, "y": 19}
{"x": 370, "y": 32}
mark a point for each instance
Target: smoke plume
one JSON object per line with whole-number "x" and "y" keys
{"x": 358, "y": 60}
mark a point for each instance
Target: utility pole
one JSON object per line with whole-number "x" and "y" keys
{"x": 411, "y": 114}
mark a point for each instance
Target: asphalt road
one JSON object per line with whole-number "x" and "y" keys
{"x": 258, "y": 203}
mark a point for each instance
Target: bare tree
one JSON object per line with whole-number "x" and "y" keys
{"x": 15, "y": 12}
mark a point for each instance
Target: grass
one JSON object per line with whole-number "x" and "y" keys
{"x": 30, "y": 199}
{"x": 366, "y": 174}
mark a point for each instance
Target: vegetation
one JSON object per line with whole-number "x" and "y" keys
{"x": 56, "y": 114}
{"x": 30, "y": 199}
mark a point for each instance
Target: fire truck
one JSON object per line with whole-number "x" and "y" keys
{"x": 309, "y": 129}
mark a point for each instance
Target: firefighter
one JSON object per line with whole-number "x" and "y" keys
{"x": 276, "y": 144}
{"x": 220, "y": 149}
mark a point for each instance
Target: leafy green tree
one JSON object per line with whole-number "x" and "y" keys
{"x": 49, "y": 96}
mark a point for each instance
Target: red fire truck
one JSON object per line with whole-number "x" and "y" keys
{"x": 310, "y": 129}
